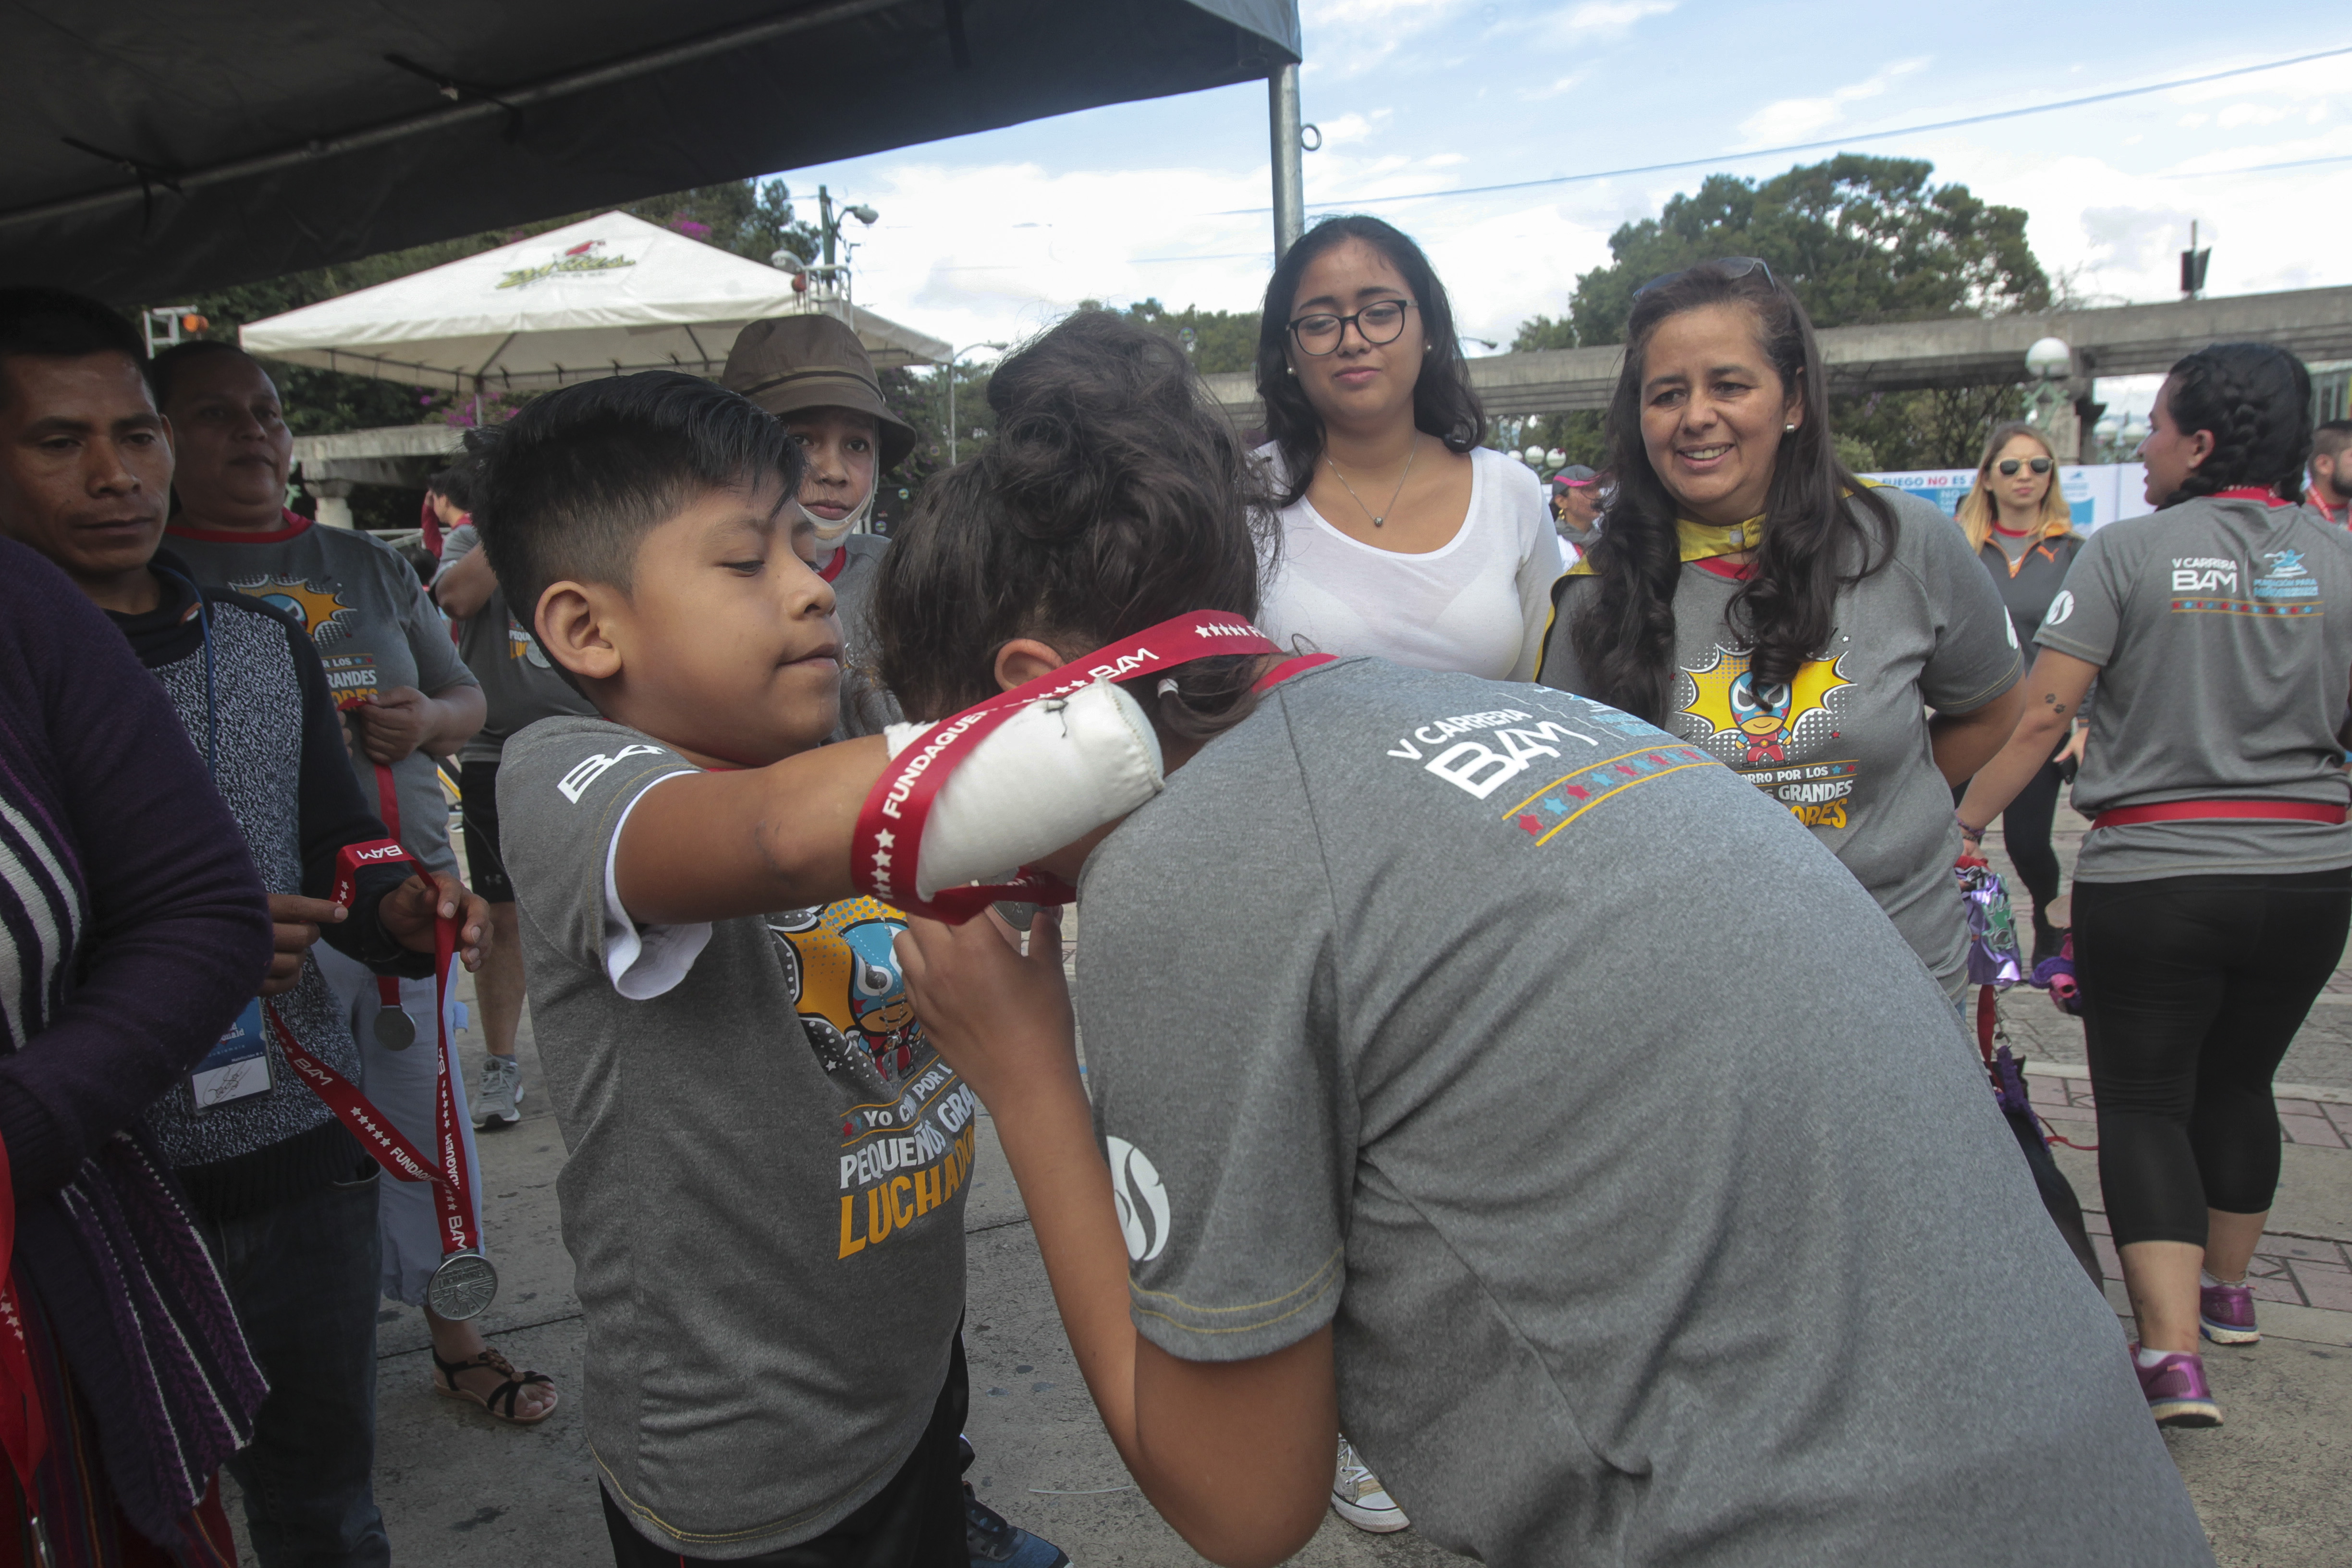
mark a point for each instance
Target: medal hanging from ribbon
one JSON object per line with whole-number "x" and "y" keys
{"x": 888, "y": 842}
{"x": 24, "y": 1430}
{"x": 466, "y": 1283}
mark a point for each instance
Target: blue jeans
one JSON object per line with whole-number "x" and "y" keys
{"x": 303, "y": 1279}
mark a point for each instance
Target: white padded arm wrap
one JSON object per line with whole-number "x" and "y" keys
{"x": 1054, "y": 771}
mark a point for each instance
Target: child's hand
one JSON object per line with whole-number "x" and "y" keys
{"x": 1001, "y": 1019}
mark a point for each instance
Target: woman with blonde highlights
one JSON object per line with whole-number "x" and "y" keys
{"x": 2022, "y": 530}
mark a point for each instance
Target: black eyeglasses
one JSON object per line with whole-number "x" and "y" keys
{"x": 1731, "y": 267}
{"x": 2008, "y": 466}
{"x": 1381, "y": 322}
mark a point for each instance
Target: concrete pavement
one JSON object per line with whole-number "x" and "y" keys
{"x": 457, "y": 1488}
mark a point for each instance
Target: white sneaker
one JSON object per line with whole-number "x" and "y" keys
{"x": 498, "y": 1103}
{"x": 1357, "y": 1497}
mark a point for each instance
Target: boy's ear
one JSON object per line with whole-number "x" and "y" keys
{"x": 571, "y": 627}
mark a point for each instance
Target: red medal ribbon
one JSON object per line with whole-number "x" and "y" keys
{"x": 24, "y": 1431}
{"x": 452, "y": 1179}
{"x": 2271, "y": 498}
{"x": 889, "y": 833}
{"x": 387, "y": 793}
{"x": 453, "y": 1193}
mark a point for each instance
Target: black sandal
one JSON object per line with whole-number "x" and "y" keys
{"x": 500, "y": 1402}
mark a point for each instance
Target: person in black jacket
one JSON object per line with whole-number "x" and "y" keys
{"x": 283, "y": 1195}
{"x": 2024, "y": 532}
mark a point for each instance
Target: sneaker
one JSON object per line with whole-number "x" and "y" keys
{"x": 2226, "y": 1314}
{"x": 1357, "y": 1497}
{"x": 497, "y": 1102}
{"x": 995, "y": 1541}
{"x": 2176, "y": 1391}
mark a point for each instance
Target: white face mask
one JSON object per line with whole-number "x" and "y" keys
{"x": 829, "y": 532}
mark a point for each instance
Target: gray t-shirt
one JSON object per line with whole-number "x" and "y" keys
{"x": 519, "y": 686}
{"x": 375, "y": 629}
{"x": 1658, "y": 1211}
{"x": 866, "y": 705}
{"x": 1845, "y": 747}
{"x": 765, "y": 1212}
{"x": 2223, "y": 633}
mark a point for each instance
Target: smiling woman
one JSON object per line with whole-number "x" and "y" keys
{"x": 1752, "y": 594}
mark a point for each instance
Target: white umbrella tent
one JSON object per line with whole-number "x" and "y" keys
{"x": 607, "y": 296}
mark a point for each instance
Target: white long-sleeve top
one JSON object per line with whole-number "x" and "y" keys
{"x": 1478, "y": 604}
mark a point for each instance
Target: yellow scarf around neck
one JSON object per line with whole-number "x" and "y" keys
{"x": 1700, "y": 542}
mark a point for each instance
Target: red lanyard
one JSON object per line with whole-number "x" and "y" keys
{"x": 889, "y": 833}
{"x": 446, "y": 1167}
{"x": 2271, "y": 498}
{"x": 23, "y": 1429}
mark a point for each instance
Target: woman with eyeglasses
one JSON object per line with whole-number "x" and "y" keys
{"x": 1400, "y": 535}
{"x": 1830, "y": 641}
{"x": 2214, "y": 889}
{"x": 2024, "y": 532}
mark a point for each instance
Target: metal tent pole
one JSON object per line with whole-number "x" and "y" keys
{"x": 1289, "y": 173}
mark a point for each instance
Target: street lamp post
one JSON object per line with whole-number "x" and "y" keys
{"x": 951, "y": 418}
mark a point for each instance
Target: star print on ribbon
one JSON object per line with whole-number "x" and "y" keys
{"x": 889, "y": 835}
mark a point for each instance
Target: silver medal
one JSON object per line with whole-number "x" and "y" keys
{"x": 394, "y": 1029}
{"x": 463, "y": 1287}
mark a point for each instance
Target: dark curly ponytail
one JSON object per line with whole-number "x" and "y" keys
{"x": 2256, "y": 402}
{"x": 1114, "y": 496}
{"x": 1823, "y": 529}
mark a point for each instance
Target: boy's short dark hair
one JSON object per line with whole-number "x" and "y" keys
{"x": 53, "y": 324}
{"x": 570, "y": 485}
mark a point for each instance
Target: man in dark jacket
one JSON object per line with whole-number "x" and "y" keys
{"x": 284, "y": 1196}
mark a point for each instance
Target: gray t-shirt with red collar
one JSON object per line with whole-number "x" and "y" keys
{"x": 2222, "y": 630}
{"x": 1845, "y": 745}
{"x": 375, "y": 629}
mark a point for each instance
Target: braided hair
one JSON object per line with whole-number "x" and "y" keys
{"x": 2255, "y": 400}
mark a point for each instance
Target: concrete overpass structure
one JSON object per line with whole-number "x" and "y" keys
{"x": 1968, "y": 351}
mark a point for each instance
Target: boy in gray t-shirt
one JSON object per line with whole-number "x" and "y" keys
{"x": 764, "y": 1195}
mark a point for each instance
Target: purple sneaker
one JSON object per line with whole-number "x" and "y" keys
{"x": 2176, "y": 1391}
{"x": 2226, "y": 1314}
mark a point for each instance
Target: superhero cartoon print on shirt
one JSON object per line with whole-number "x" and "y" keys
{"x": 849, "y": 990}
{"x": 318, "y": 606}
{"x": 1774, "y": 738}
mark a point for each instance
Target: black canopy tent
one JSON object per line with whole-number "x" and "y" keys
{"x": 158, "y": 149}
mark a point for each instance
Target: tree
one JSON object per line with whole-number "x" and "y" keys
{"x": 1859, "y": 240}
{"x": 1223, "y": 342}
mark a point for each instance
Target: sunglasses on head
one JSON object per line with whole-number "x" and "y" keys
{"x": 2008, "y": 466}
{"x": 1731, "y": 267}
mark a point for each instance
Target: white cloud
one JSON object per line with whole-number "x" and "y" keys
{"x": 1343, "y": 128}
{"x": 1612, "y": 18}
{"x": 1798, "y": 119}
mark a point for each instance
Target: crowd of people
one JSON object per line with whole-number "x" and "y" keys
{"x": 1521, "y": 979}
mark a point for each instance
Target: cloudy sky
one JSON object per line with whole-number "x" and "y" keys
{"x": 993, "y": 235}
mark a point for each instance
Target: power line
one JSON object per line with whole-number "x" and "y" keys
{"x": 1835, "y": 141}
{"x": 2260, "y": 168}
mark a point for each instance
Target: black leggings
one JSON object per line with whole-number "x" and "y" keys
{"x": 2193, "y": 987}
{"x": 2025, "y": 833}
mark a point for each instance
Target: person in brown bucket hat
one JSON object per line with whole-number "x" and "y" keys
{"x": 812, "y": 374}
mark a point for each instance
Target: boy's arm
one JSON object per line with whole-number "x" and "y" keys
{"x": 1235, "y": 1455}
{"x": 713, "y": 845}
